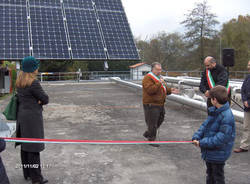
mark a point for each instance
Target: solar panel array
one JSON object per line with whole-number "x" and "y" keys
{"x": 65, "y": 29}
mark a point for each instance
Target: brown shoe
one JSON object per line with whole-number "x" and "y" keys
{"x": 240, "y": 150}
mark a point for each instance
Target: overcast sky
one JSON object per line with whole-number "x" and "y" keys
{"x": 148, "y": 17}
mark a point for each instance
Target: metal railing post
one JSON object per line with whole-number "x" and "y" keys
{"x": 41, "y": 77}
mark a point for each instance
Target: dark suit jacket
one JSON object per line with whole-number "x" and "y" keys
{"x": 245, "y": 92}
{"x": 219, "y": 74}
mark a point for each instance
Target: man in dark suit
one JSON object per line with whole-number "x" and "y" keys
{"x": 214, "y": 74}
{"x": 245, "y": 96}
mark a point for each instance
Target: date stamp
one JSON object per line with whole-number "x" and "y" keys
{"x": 33, "y": 166}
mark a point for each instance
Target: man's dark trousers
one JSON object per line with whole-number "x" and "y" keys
{"x": 154, "y": 117}
{"x": 215, "y": 173}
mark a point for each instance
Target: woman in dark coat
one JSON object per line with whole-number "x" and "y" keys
{"x": 31, "y": 98}
{"x": 3, "y": 176}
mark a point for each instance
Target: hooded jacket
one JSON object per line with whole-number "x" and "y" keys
{"x": 217, "y": 134}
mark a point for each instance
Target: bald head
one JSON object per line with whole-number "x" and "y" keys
{"x": 209, "y": 62}
{"x": 156, "y": 68}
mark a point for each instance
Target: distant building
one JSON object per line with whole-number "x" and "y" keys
{"x": 138, "y": 70}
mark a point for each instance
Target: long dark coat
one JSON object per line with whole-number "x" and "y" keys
{"x": 29, "y": 115}
{"x": 3, "y": 176}
{"x": 245, "y": 92}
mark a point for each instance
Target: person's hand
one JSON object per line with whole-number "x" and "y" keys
{"x": 246, "y": 104}
{"x": 39, "y": 102}
{"x": 207, "y": 94}
{"x": 175, "y": 91}
{"x": 196, "y": 143}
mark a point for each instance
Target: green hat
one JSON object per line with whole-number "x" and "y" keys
{"x": 30, "y": 64}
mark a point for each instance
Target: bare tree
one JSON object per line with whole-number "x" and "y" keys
{"x": 200, "y": 25}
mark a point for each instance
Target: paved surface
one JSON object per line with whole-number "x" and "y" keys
{"x": 108, "y": 111}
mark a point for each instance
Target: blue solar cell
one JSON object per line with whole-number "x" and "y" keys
{"x": 46, "y": 3}
{"x": 14, "y": 37}
{"x": 14, "y": 2}
{"x": 48, "y": 33}
{"x": 117, "y": 35}
{"x": 82, "y": 4}
{"x": 85, "y": 38}
{"x": 115, "y": 5}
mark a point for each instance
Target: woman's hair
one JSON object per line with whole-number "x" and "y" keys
{"x": 25, "y": 79}
{"x": 220, "y": 93}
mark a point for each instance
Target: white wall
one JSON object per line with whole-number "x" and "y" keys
{"x": 137, "y": 73}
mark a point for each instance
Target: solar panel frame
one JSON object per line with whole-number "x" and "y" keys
{"x": 84, "y": 32}
{"x": 70, "y": 29}
{"x": 118, "y": 35}
{"x": 49, "y": 40}
{"x": 14, "y": 27}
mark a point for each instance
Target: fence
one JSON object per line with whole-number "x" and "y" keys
{"x": 86, "y": 75}
{"x": 124, "y": 75}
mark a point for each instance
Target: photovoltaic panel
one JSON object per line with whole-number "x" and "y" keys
{"x": 85, "y": 38}
{"x": 117, "y": 35}
{"x": 114, "y": 5}
{"x": 65, "y": 29}
{"x": 86, "y": 4}
{"x": 48, "y": 33}
{"x": 14, "y": 37}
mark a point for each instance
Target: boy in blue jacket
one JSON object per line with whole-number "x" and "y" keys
{"x": 216, "y": 135}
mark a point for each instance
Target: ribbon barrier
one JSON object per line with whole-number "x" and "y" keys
{"x": 90, "y": 142}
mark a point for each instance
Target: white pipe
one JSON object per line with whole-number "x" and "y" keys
{"x": 239, "y": 116}
{"x": 195, "y": 82}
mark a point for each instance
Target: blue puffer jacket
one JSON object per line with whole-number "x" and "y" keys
{"x": 217, "y": 135}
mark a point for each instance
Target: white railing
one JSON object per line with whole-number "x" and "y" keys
{"x": 83, "y": 75}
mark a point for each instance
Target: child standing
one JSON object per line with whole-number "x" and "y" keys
{"x": 216, "y": 135}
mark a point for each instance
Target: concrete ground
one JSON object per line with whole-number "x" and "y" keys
{"x": 106, "y": 111}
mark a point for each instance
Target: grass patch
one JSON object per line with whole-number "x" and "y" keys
{"x": 4, "y": 96}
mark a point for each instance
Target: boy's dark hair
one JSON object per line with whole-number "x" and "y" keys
{"x": 220, "y": 93}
